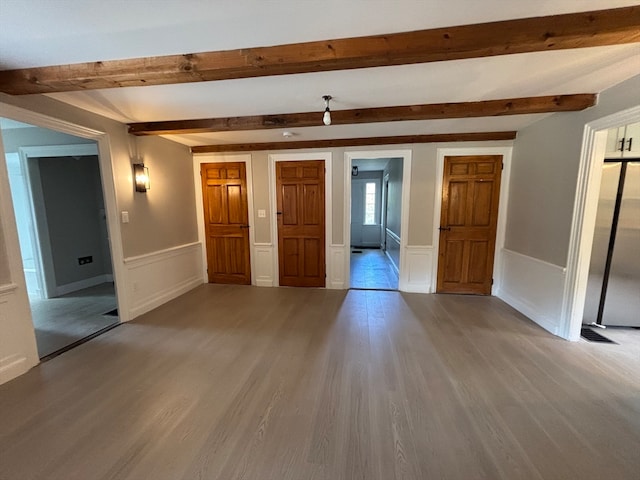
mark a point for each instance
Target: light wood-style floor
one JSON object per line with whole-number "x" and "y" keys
{"x": 63, "y": 320}
{"x": 371, "y": 269}
{"x": 231, "y": 382}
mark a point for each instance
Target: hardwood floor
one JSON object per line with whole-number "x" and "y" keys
{"x": 371, "y": 269}
{"x": 63, "y": 320}
{"x": 231, "y": 382}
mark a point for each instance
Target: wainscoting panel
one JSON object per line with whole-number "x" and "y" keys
{"x": 335, "y": 267}
{"x": 158, "y": 277}
{"x": 263, "y": 263}
{"x": 533, "y": 287}
{"x": 393, "y": 248}
{"x": 18, "y": 351}
{"x": 416, "y": 272}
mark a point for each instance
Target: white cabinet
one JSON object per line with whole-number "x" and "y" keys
{"x": 624, "y": 142}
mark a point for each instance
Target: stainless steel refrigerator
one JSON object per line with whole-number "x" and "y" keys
{"x": 613, "y": 288}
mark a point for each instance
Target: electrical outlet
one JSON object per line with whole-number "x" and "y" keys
{"x": 85, "y": 260}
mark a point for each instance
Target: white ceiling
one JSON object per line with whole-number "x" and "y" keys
{"x": 45, "y": 32}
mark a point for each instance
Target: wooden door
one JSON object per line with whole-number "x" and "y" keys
{"x": 468, "y": 221}
{"x": 224, "y": 192}
{"x": 301, "y": 223}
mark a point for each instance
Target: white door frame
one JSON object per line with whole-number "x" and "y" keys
{"x": 328, "y": 207}
{"x": 44, "y": 255}
{"x": 506, "y": 153}
{"x": 108, "y": 187}
{"x": 584, "y": 216}
{"x": 403, "y": 275}
{"x": 198, "y": 160}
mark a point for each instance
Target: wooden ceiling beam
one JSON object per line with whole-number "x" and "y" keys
{"x": 356, "y": 142}
{"x": 556, "y": 32}
{"x": 487, "y": 108}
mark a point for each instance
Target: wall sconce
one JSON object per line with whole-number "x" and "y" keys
{"x": 141, "y": 175}
{"x": 354, "y": 171}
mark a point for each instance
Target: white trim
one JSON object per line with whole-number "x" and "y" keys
{"x": 389, "y": 233}
{"x": 69, "y": 150}
{"x": 12, "y": 367}
{"x": 108, "y": 184}
{"x": 392, "y": 234}
{"x": 533, "y": 287}
{"x": 328, "y": 206}
{"x": 8, "y": 288}
{"x": 406, "y": 156}
{"x": 43, "y": 254}
{"x": 161, "y": 276}
{"x": 418, "y": 260}
{"x": 264, "y": 264}
{"x": 336, "y": 280}
{"x": 584, "y": 214}
{"x": 506, "y": 153}
{"x": 18, "y": 350}
{"x": 198, "y": 160}
{"x": 82, "y": 284}
{"x": 150, "y": 257}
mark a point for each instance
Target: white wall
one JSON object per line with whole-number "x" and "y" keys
{"x": 544, "y": 177}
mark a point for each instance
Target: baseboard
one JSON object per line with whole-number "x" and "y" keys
{"x": 529, "y": 310}
{"x": 165, "y": 296}
{"x": 12, "y": 367}
{"x": 156, "y": 278}
{"x": 82, "y": 284}
{"x": 534, "y": 288}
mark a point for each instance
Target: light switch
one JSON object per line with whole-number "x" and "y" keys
{"x": 125, "y": 216}
{"x": 262, "y": 213}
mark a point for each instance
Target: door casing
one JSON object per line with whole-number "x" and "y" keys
{"x": 406, "y": 155}
{"x": 506, "y": 153}
{"x": 198, "y": 160}
{"x": 328, "y": 210}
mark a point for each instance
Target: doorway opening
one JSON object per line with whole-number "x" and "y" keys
{"x": 375, "y": 226}
{"x": 613, "y": 278}
{"x": 583, "y": 246}
{"x": 56, "y": 189}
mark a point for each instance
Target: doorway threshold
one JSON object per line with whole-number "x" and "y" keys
{"x": 77, "y": 343}
{"x": 375, "y": 289}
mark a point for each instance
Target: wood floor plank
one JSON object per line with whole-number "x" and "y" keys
{"x": 231, "y": 382}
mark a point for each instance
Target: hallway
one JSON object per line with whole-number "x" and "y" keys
{"x": 371, "y": 269}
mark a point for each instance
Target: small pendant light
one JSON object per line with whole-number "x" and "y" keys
{"x": 326, "y": 118}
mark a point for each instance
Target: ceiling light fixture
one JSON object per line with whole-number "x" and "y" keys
{"x": 326, "y": 118}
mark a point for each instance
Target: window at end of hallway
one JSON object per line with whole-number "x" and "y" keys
{"x": 370, "y": 204}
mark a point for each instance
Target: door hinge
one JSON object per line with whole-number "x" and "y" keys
{"x": 502, "y": 165}
{"x": 492, "y": 281}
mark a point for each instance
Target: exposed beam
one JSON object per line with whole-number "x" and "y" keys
{"x": 356, "y": 142}
{"x": 556, "y": 32}
{"x": 487, "y": 108}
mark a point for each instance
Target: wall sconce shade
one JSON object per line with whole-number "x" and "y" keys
{"x": 141, "y": 176}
